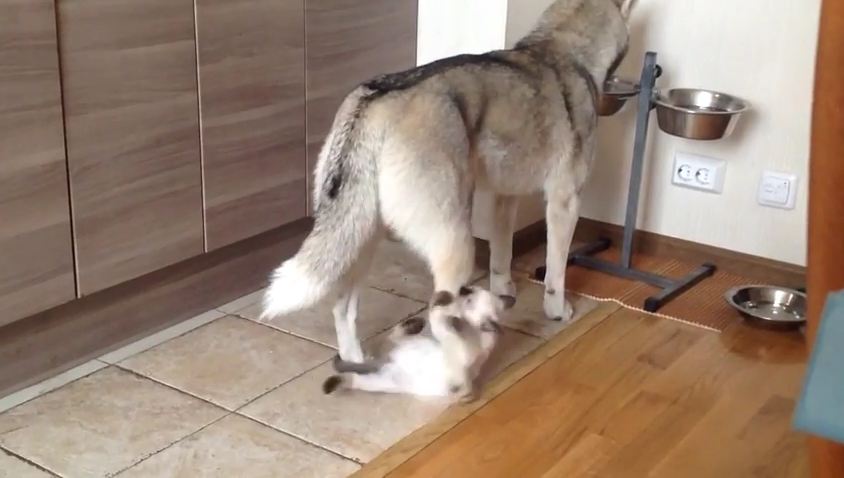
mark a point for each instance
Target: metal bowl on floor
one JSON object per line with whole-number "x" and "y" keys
{"x": 769, "y": 306}
{"x": 615, "y": 94}
{"x": 698, "y": 114}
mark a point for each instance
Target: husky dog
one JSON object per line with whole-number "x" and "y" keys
{"x": 406, "y": 151}
{"x": 419, "y": 364}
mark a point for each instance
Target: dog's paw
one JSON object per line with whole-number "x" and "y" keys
{"x": 557, "y": 307}
{"x": 502, "y": 285}
{"x": 351, "y": 353}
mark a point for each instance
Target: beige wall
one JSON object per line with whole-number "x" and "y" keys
{"x": 451, "y": 27}
{"x": 761, "y": 50}
{"x": 448, "y": 28}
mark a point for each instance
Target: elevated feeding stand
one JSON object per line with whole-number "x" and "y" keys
{"x": 583, "y": 256}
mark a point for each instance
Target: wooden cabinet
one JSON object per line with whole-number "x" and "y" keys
{"x": 350, "y": 41}
{"x": 131, "y": 120}
{"x": 135, "y": 134}
{"x": 36, "y": 259}
{"x": 251, "y": 91}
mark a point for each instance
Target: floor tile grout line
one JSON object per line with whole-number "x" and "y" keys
{"x": 395, "y": 294}
{"x": 205, "y": 400}
{"x": 160, "y": 343}
{"x": 167, "y": 447}
{"x": 301, "y": 439}
{"x": 170, "y": 386}
{"x": 286, "y": 332}
{"x": 379, "y": 289}
{"x": 258, "y": 397}
{"x": 333, "y": 347}
{"x": 57, "y": 388}
{"x": 28, "y": 461}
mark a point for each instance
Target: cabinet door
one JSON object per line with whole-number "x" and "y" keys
{"x": 251, "y": 89}
{"x": 36, "y": 259}
{"x": 348, "y": 42}
{"x": 131, "y": 113}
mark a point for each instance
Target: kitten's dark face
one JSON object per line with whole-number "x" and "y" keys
{"x": 480, "y": 306}
{"x": 473, "y": 306}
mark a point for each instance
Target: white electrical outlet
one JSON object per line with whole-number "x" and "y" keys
{"x": 777, "y": 190}
{"x": 699, "y": 172}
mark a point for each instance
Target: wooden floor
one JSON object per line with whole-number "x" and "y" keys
{"x": 638, "y": 396}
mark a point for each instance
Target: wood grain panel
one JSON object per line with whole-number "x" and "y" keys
{"x": 131, "y": 112}
{"x": 36, "y": 259}
{"x": 826, "y": 199}
{"x": 251, "y": 85}
{"x": 349, "y": 41}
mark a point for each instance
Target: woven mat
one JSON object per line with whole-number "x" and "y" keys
{"x": 702, "y": 306}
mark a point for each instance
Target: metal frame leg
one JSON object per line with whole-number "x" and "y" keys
{"x": 655, "y": 302}
{"x": 643, "y": 115}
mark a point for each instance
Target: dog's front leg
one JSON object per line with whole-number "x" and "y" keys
{"x": 562, "y": 209}
{"x": 345, "y": 323}
{"x": 501, "y": 246}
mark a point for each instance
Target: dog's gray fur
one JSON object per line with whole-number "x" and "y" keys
{"x": 407, "y": 150}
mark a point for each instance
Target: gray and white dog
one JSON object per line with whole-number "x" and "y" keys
{"x": 407, "y": 150}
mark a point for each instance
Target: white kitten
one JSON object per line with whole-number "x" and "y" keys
{"x": 417, "y": 363}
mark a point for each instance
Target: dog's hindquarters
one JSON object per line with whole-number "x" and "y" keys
{"x": 426, "y": 182}
{"x": 347, "y": 217}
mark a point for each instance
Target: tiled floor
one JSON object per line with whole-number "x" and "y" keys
{"x": 223, "y": 395}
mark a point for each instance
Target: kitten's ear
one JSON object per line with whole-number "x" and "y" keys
{"x": 457, "y": 323}
{"x": 413, "y": 326}
{"x": 508, "y": 301}
{"x": 442, "y": 298}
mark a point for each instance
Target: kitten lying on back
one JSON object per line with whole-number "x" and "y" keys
{"x": 417, "y": 364}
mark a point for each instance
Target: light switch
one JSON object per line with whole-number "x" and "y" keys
{"x": 778, "y": 190}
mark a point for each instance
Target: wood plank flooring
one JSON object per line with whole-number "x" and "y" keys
{"x": 638, "y": 396}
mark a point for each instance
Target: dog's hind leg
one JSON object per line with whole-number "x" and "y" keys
{"x": 345, "y": 310}
{"x": 452, "y": 257}
{"x": 501, "y": 245}
{"x": 345, "y": 313}
{"x": 562, "y": 209}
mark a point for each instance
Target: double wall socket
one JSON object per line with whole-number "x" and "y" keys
{"x": 699, "y": 172}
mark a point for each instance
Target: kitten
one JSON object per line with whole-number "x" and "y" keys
{"x": 418, "y": 364}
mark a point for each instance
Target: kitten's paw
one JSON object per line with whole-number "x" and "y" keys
{"x": 469, "y": 397}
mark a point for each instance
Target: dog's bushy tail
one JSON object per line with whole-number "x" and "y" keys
{"x": 346, "y": 212}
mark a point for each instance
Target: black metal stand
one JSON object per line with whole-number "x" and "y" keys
{"x": 582, "y": 256}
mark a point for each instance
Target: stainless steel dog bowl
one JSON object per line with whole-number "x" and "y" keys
{"x": 769, "y": 306}
{"x": 698, "y": 114}
{"x": 616, "y": 93}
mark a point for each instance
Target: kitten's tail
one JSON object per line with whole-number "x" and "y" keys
{"x": 332, "y": 383}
